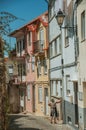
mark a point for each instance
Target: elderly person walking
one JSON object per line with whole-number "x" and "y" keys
{"x": 53, "y": 110}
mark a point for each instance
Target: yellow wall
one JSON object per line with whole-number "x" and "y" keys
{"x": 42, "y": 80}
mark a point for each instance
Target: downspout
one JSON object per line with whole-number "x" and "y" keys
{"x": 49, "y": 49}
{"x": 76, "y": 45}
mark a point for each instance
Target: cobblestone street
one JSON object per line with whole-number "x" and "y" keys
{"x": 30, "y": 122}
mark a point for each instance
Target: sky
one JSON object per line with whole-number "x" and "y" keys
{"x": 25, "y": 10}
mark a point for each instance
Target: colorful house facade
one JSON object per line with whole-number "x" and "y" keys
{"x": 33, "y": 64}
{"x": 41, "y": 53}
{"x": 21, "y": 65}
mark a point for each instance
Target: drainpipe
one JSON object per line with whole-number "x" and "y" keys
{"x": 62, "y": 71}
{"x": 76, "y": 45}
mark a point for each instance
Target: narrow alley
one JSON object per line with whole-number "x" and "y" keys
{"x": 30, "y": 122}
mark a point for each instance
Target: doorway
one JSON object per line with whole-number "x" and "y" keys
{"x": 46, "y": 101}
{"x": 34, "y": 98}
{"x": 76, "y": 101}
{"x": 84, "y": 102}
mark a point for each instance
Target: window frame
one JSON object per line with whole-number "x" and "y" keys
{"x": 10, "y": 69}
{"x": 23, "y": 69}
{"x": 40, "y": 94}
{"x": 33, "y": 64}
{"x": 55, "y": 47}
{"x": 29, "y": 38}
{"x": 66, "y": 38}
{"x": 45, "y": 66}
{"x": 83, "y": 25}
{"x": 28, "y": 92}
{"x": 39, "y": 67}
{"x": 68, "y": 85}
{"x": 54, "y": 87}
{"x": 41, "y": 38}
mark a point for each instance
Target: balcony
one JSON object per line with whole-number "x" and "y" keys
{"x": 38, "y": 47}
{"x": 16, "y": 80}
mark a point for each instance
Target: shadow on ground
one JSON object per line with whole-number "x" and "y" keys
{"x": 14, "y": 122}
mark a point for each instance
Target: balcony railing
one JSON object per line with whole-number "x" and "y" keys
{"x": 17, "y": 80}
{"x": 38, "y": 46}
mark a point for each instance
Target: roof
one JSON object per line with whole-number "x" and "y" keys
{"x": 21, "y": 29}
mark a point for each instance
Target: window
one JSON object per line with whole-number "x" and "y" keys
{"x": 20, "y": 43}
{"x": 59, "y": 44}
{"x": 28, "y": 92}
{"x": 66, "y": 38}
{"x": 40, "y": 94}
{"x": 45, "y": 66}
{"x": 23, "y": 69}
{"x": 29, "y": 38}
{"x": 54, "y": 88}
{"x": 61, "y": 89}
{"x": 19, "y": 71}
{"x": 41, "y": 38}
{"x": 17, "y": 47}
{"x": 83, "y": 26}
{"x": 66, "y": 41}
{"x": 20, "y": 46}
{"x": 55, "y": 47}
{"x": 28, "y": 67}
{"x": 39, "y": 67}
{"x": 23, "y": 42}
{"x": 10, "y": 69}
{"x": 68, "y": 84}
{"x": 51, "y": 50}
{"x": 53, "y": 44}
{"x": 33, "y": 63}
{"x": 80, "y": 94}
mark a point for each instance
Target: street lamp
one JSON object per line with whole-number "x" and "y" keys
{"x": 60, "y": 18}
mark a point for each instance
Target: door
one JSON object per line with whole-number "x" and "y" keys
{"x": 46, "y": 101}
{"x": 76, "y": 101}
{"x": 84, "y": 103}
{"x": 21, "y": 100}
{"x": 34, "y": 98}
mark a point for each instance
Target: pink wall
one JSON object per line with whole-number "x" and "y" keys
{"x": 30, "y": 80}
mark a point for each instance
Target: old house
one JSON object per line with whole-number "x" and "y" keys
{"x": 33, "y": 64}
{"x": 81, "y": 22}
{"x": 41, "y": 53}
{"x": 11, "y": 81}
{"x": 63, "y": 46}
